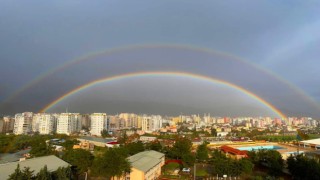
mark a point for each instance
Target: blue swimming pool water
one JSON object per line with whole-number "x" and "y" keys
{"x": 253, "y": 148}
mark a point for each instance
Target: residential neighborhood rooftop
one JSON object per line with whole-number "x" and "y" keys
{"x": 144, "y": 161}
{"x": 35, "y": 164}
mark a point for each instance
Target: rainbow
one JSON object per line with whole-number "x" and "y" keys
{"x": 169, "y": 74}
{"x": 104, "y": 52}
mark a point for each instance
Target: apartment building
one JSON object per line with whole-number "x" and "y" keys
{"x": 68, "y": 123}
{"x": 23, "y": 123}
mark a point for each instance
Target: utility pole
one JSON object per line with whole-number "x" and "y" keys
{"x": 194, "y": 173}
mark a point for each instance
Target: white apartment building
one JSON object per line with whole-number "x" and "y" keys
{"x": 47, "y": 124}
{"x": 99, "y": 121}
{"x": 35, "y": 122}
{"x": 68, "y": 123}
{"x": 8, "y": 124}
{"x": 151, "y": 123}
{"x": 1, "y": 125}
{"x": 146, "y": 123}
{"x": 23, "y": 123}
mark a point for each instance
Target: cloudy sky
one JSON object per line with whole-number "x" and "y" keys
{"x": 270, "y": 48}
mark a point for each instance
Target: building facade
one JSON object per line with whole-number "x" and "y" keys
{"x": 47, "y": 124}
{"x": 99, "y": 122}
{"x": 23, "y": 123}
{"x": 68, "y": 123}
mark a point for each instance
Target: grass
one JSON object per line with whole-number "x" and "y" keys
{"x": 172, "y": 166}
{"x": 181, "y": 177}
{"x": 201, "y": 172}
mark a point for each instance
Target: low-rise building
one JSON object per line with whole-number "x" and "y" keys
{"x": 35, "y": 164}
{"x": 147, "y": 138}
{"x": 233, "y": 152}
{"x": 86, "y": 145}
{"x": 146, "y": 165}
{"x": 102, "y": 142}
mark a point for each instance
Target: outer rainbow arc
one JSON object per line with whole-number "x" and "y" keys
{"x": 102, "y": 52}
{"x": 177, "y": 74}
{"x": 177, "y": 46}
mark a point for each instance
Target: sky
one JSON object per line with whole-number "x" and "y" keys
{"x": 270, "y": 48}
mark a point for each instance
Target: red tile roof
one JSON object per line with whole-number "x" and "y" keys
{"x": 231, "y": 150}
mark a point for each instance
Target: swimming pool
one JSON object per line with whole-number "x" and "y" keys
{"x": 254, "y": 148}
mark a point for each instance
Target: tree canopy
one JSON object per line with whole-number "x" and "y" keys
{"x": 271, "y": 159}
{"x": 202, "y": 152}
{"x": 134, "y": 147}
{"x": 302, "y": 167}
{"x": 112, "y": 163}
{"x": 104, "y": 133}
{"x": 80, "y": 158}
{"x": 62, "y": 173}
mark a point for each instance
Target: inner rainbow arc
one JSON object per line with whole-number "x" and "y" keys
{"x": 161, "y": 73}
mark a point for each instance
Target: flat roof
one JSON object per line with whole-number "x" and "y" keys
{"x": 35, "y": 164}
{"x": 312, "y": 141}
{"x": 145, "y": 160}
{"x": 96, "y": 139}
{"x": 12, "y": 157}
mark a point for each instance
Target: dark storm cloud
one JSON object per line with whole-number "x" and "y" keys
{"x": 39, "y": 35}
{"x": 165, "y": 59}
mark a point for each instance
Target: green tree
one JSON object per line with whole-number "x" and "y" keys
{"x": 216, "y": 154}
{"x": 271, "y": 159}
{"x": 181, "y": 147}
{"x": 62, "y": 173}
{"x": 189, "y": 159}
{"x": 27, "y": 173}
{"x": 80, "y": 158}
{"x": 123, "y": 138}
{"x": 5, "y": 142}
{"x": 20, "y": 142}
{"x": 112, "y": 163}
{"x": 214, "y": 132}
{"x": 202, "y": 152}
{"x": 245, "y": 165}
{"x": 302, "y": 167}
{"x": 155, "y": 145}
{"x": 16, "y": 175}
{"x": 68, "y": 144}
{"x": 41, "y": 148}
{"x": 44, "y": 174}
{"x": 104, "y": 133}
{"x": 134, "y": 147}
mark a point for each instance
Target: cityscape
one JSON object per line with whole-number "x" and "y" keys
{"x": 74, "y": 123}
{"x": 159, "y": 90}
{"x": 149, "y": 137}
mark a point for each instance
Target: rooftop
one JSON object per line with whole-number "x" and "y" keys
{"x": 35, "y": 164}
{"x": 144, "y": 161}
{"x": 96, "y": 139}
{"x": 12, "y": 157}
{"x": 312, "y": 141}
{"x": 228, "y": 149}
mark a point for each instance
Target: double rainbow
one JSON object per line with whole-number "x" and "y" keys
{"x": 105, "y": 52}
{"x": 164, "y": 74}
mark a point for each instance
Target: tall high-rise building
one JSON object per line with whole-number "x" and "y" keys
{"x": 151, "y": 123}
{"x": 47, "y": 124}
{"x": 8, "y": 124}
{"x": 35, "y": 122}
{"x": 99, "y": 122}
{"x": 85, "y": 121}
{"x": 68, "y": 123}
{"x": 1, "y": 125}
{"x": 23, "y": 123}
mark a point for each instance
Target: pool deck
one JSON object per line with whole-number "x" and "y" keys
{"x": 287, "y": 148}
